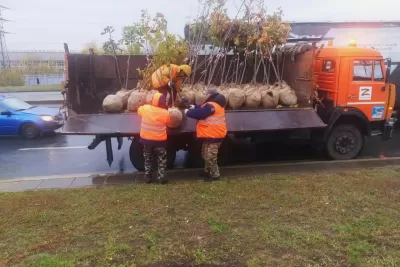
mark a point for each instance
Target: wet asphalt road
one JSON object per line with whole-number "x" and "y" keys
{"x": 37, "y": 96}
{"x": 63, "y": 155}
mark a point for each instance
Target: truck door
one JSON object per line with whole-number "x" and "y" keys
{"x": 367, "y": 88}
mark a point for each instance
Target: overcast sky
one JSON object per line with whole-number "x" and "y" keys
{"x": 47, "y": 24}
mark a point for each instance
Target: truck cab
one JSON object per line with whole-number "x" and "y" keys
{"x": 354, "y": 98}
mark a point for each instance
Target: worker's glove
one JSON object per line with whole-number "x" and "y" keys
{"x": 186, "y": 110}
{"x": 171, "y": 85}
{"x": 192, "y": 106}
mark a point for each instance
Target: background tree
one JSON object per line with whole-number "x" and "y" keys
{"x": 111, "y": 46}
{"x": 92, "y": 45}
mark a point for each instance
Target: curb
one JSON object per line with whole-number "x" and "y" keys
{"x": 179, "y": 175}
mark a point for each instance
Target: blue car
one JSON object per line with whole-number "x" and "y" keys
{"x": 20, "y": 118}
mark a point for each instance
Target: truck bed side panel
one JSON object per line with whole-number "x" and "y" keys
{"x": 237, "y": 121}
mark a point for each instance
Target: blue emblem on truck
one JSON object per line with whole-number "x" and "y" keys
{"x": 377, "y": 112}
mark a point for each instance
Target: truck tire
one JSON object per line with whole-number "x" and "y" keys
{"x": 194, "y": 159}
{"x": 29, "y": 131}
{"x": 344, "y": 142}
{"x": 137, "y": 159}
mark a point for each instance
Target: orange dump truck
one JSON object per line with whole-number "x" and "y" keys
{"x": 343, "y": 96}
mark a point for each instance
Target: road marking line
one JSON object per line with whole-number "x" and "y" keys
{"x": 51, "y": 148}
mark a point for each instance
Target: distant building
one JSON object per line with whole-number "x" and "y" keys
{"x": 29, "y": 59}
{"x": 18, "y": 59}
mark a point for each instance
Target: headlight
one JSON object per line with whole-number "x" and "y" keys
{"x": 47, "y": 118}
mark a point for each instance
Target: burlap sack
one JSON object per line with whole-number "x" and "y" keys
{"x": 176, "y": 117}
{"x": 253, "y": 96}
{"x": 189, "y": 94}
{"x": 200, "y": 97}
{"x": 124, "y": 95}
{"x": 225, "y": 92}
{"x": 199, "y": 87}
{"x": 112, "y": 104}
{"x": 136, "y": 99}
{"x": 270, "y": 98}
{"x": 149, "y": 97}
{"x": 236, "y": 98}
{"x": 287, "y": 96}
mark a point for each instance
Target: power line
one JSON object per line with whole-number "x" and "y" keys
{"x": 4, "y": 58}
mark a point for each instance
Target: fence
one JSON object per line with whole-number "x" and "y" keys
{"x": 47, "y": 79}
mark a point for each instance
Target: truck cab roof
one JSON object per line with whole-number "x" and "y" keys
{"x": 329, "y": 51}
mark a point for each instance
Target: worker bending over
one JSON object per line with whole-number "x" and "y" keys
{"x": 169, "y": 78}
{"x": 153, "y": 136}
{"x": 210, "y": 129}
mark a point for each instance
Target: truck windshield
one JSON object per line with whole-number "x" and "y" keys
{"x": 16, "y": 104}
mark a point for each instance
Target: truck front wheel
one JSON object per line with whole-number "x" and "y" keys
{"x": 137, "y": 158}
{"x": 344, "y": 142}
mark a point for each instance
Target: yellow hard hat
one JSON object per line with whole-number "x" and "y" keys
{"x": 186, "y": 69}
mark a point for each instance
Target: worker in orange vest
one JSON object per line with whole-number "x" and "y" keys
{"x": 153, "y": 136}
{"x": 169, "y": 78}
{"x": 211, "y": 130}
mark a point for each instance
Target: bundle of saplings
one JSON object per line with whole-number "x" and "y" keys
{"x": 256, "y": 39}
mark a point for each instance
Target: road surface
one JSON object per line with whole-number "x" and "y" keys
{"x": 60, "y": 155}
{"x": 34, "y": 97}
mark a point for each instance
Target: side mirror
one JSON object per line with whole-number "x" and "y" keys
{"x": 7, "y": 113}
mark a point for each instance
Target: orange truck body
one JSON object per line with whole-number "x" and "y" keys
{"x": 355, "y": 78}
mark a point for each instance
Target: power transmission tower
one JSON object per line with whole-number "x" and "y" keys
{"x": 4, "y": 59}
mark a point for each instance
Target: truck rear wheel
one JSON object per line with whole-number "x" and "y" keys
{"x": 137, "y": 159}
{"x": 194, "y": 159}
{"x": 344, "y": 142}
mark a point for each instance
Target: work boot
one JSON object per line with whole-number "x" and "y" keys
{"x": 204, "y": 174}
{"x": 163, "y": 181}
{"x": 148, "y": 179}
{"x": 210, "y": 179}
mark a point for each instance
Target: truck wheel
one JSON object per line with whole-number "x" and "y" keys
{"x": 137, "y": 159}
{"x": 29, "y": 131}
{"x": 194, "y": 159}
{"x": 344, "y": 142}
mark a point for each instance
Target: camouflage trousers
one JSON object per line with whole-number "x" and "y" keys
{"x": 209, "y": 152}
{"x": 155, "y": 154}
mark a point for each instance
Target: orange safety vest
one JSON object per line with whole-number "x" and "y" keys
{"x": 163, "y": 75}
{"x": 214, "y": 126}
{"x": 154, "y": 123}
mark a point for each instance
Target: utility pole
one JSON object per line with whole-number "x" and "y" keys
{"x": 4, "y": 59}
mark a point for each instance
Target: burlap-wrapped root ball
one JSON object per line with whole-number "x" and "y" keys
{"x": 136, "y": 99}
{"x": 188, "y": 94}
{"x": 112, "y": 104}
{"x": 225, "y": 92}
{"x": 253, "y": 96}
{"x": 236, "y": 98}
{"x": 287, "y": 96}
{"x": 176, "y": 117}
{"x": 149, "y": 97}
{"x": 200, "y": 97}
{"x": 199, "y": 90}
{"x": 124, "y": 95}
{"x": 270, "y": 98}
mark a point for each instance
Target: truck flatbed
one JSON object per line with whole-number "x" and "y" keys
{"x": 128, "y": 124}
